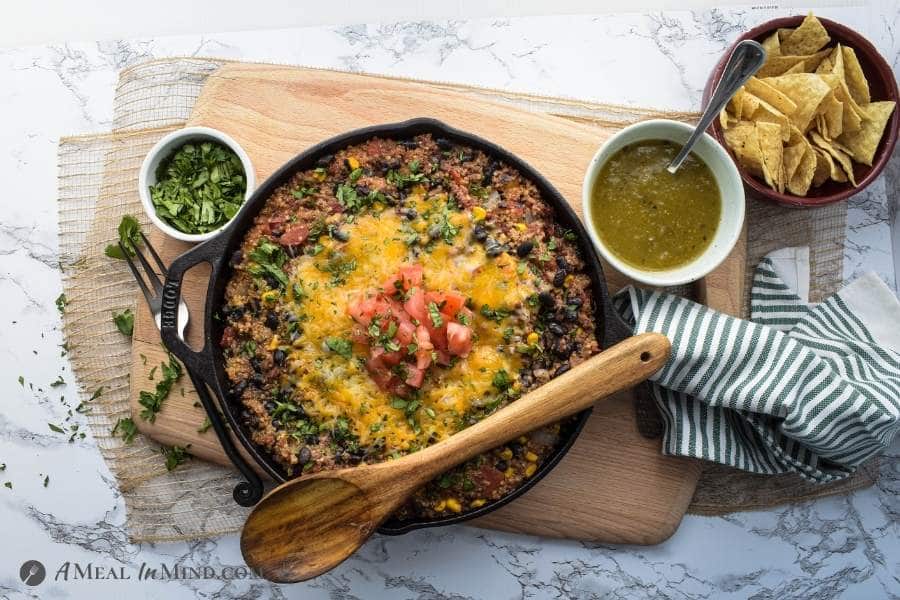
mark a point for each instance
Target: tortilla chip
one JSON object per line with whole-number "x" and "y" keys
{"x": 838, "y": 155}
{"x": 744, "y": 142}
{"x": 825, "y": 67}
{"x": 765, "y": 91}
{"x": 807, "y": 90}
{"x": 772, "y": 45}
{"x": 802, "y": 178}
{"x": 862, "y": 144}
{"x": 779, "y": 65}
{"x": 832, "y": 112}
{"x": 791, "y": 157}
{"x": 766, "y": 113}
{"x": 809, "y": 37}
{"x": 854, "y": 77}
{"x": 836, "y": 59}
{"x": 749, "y": 104}
{"x": 823, "y": 167}
{"x": 769, "y": 135}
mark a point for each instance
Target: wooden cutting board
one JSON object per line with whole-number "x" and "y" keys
{"x": 614, "y": 486}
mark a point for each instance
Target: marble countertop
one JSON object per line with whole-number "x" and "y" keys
{"x": 835, "y": 547}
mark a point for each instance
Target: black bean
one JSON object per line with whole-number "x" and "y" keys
{"x": 443, "y": 143}
{"x": 562, "y": 369}
{"x": 340, "y": 235}
{"x": 479, "y": 233}
{"x": 325, "y": 160}
{"x": 254, "y": 306}
{"x": 409, "y": 213}
{"x": 409, "y": 143}
{"x": 234, "y": 313}
{"x": 561, "y": 263}
{"x": 271, "y": 282}
{"x": 434, "y": 232}
{"x": 489, "y": 172}
{"x": 525, "y": 248}
{"x": 279, "y": 357}
{"x": 559, "y": 279}
{"x": 258, "y": 380}
{"x": 574, "y": 301}
{"x": 256, "y": 364}
{"x": 363, "y": 190}
{"x": 556, "y": 329}
{"x": 562, "y": 348}
{"x": 272, "y": 320}
{"x": 501, "y": 465}
{"x": 305, "y": 455}
{"x": 270, "y": 406}
{"x": 239, "y": 388}
{"x": 546, "y": 299}
{"x": 517, "y": 449}
{"x": 236, "y": 258}
{"x": 391, "y": 163}
{"x": 493, "y": 248}
{"x": 276, "y": 423}
{"x": 571, "y": 314}
{"x": 526, "y": 378}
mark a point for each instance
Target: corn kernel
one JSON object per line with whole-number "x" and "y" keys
{"x": 354, "y": 164}
{"x": 522, "y": 439}
{"x": 530, "y": 469}
{"x": 440, "y": 506}
{"x": 454, "y": 505}
{"x": 521, "y": 226}
{"x": 509, "y": 473}
{"x": 506, "y": 454}
{"x": 419, "y": 225}
{"x": 568, "y": 280}
{"x": 531, "y": 457}
{"x": 478, "y": 503}
{"x": 458, "y": 219}
{"x": 532, "y": 338}
{"x": 269, "y": 296}
{"x": 273, "y": 343}
{"x": 319, "y": 175}
{"x": 478, "y": 213}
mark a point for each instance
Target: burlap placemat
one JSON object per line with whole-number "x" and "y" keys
{"x": 98, "y": 184}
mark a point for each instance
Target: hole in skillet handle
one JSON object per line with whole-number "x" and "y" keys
{"x": 247, "y": 493}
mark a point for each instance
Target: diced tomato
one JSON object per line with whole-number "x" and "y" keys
{"x": 459, "y": 339}
{"x": 405, "y": 332}
{"x": 379, "y": 372}
{"x": 294, "y": 236}
{"x": 415, "y": 306}
{"x": 408, "y": 277}
{"x": 443, "y": 358}
{"x": 359, "y": 335}
{"x": 488, "y": 479}
{"x": 228, "y": 336}
{"x": 360, "y": 311}
{"x": 424, "y": 348}
{"x": 415, "y": 377}
{"x": 276, "y": 224}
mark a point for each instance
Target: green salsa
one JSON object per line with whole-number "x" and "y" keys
{"x": 649, "y": 218}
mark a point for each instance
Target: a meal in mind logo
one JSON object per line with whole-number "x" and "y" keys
{"x": 32, "y": 572}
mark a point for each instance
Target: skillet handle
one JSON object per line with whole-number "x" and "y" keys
{"x": 198, "y": 364}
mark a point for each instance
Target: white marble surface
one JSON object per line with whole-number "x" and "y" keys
{"x": 836, "y": 547}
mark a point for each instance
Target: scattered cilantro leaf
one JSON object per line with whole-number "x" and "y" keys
{"x": 126, "y": 428}
{"x": 340, "y": 346}
{"x": 124, "y": 322}
{"x": 175, "y": 456}
{"x": 61, "y": 302}
{"x": 130, "y": 237}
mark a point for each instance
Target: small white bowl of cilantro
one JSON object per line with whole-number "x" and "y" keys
{"x": 194, "y": 182}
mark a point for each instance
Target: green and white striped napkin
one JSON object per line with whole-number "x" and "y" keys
{"x": 810, "y": 389}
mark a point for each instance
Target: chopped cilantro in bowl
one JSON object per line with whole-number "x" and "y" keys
{"x": 194, "y": 181}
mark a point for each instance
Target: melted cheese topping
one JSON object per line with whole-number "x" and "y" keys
{"x": 331, "y": 386}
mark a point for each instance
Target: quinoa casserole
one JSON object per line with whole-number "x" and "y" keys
{"x": 393, "y": 295}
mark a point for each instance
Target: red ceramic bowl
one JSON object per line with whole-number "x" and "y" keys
{"x": 882, "y": 86}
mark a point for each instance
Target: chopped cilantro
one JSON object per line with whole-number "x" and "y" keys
{"x": 501, "y": 380}
{"x": 494, "y": 314}
{"x": 153, "y": 401}
{"x": 59, "y": 381}
{"x": 435, "y": 314}
{"x": 126, "y": 428}
{"x": 268, "y": 259}
{"x": 129, "y": 236}
{"x": 340, "y": 346}
{"x": 204, "y": 427}
{"x": 175, "y": 456}
{"x": 61, "y": 302}
{"x": 124, "y": 322}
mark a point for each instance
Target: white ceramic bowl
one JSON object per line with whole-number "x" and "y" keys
{"x": 724, "y": 172}
{"x": 163, "y": 149}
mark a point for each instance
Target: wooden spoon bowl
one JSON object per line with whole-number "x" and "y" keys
{"x": 309, "y": 525}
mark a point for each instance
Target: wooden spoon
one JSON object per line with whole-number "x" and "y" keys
{"x": 309, "y": 525}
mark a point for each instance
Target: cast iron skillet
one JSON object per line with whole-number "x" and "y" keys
{"x": 206, "y": 366}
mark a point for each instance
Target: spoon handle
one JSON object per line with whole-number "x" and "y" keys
{"x": 617, "y": 368}
{"x": 748, "y": 57}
